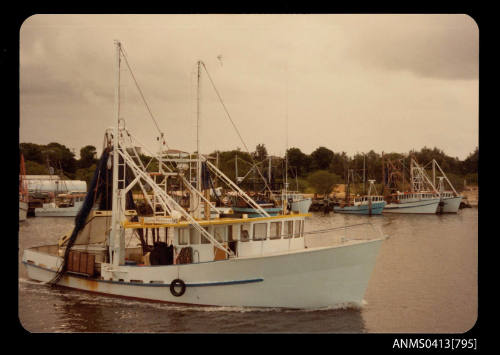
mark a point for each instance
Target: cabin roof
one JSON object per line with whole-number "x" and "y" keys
{"x": 205, "y": 222}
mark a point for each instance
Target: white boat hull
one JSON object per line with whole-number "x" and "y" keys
{"x": 428, "y": 206}
{"x": 302, "y": 206}
{"x": 452, "y": 204}
{"x": 57, "y": 212}
{"x": 311, "y": 278}
{"x": 23, "y": 210}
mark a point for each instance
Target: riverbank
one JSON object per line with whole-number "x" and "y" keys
{"x": 471, "y": 195}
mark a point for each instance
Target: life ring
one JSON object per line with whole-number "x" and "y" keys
{"x": 175, "y": 283}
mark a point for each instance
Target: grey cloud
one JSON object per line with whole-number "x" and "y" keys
{"x": 329, "y": 74}
{"x": 439, "y": 46}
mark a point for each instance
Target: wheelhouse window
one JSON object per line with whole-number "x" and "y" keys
{"x": 230, "y": 235}
{"x": 183, "y": 236}
{"x": 245, "y": 232}
{"x": 220, "y": 234}
{"x": 259, "y": 231}
{"x": 194, "y": 237}
{"x": 288, "y": 225}
{"x": 297, "y": 229}
{"x": 275, "y": 230}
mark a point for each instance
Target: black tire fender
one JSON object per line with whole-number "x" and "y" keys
{"x": 175, "y": 283}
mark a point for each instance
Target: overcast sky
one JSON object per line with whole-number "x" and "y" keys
{"x": 346, "y": 82}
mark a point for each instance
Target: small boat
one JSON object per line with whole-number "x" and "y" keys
{"x": 253, "y": 212}
{"x": 449, "y": 200}
{"x": 422, "y": 198}
{"x": 64, "y": 205}
{"x": 23, "y": 192}
{"x": 295, "y": 200}
{"x": 412, "y": 202}
{"x": 240, "y": 206}
{"x": 176, "y": 256}
{"x": 366, "y": 205}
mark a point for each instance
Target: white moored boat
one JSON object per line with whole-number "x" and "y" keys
{"x": 412, "y": 202}
{"x": 422, "y": 199}
{"x": 65, "y": 205}
{"x": 450, "y": 200}
{"x": 182, "y": 258}
{"x": 297, "y": 201}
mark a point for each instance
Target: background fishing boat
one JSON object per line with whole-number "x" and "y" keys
{"x": 450, "y": 200}
{"x": 64, "y": 205}
{"x": 367, "y": 205}
{"x": 422, "y": 197}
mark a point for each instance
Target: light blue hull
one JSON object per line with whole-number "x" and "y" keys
{"x": 252, "y": 212}
{"x": 377, "y": 208}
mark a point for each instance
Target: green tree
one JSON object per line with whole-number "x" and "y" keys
{"x": 321, "y": 158}
{"x": 322, "y": 181}
{"x": 34, "y": 168}
{"x": 471, "y": 163}
{"x": 87, "y": 156}
{"x": 339, "y": 163}
{"x": 85, "y": 174}
{"x": 32, "y": 152}
{"x": 299, "y": 161}
{"x": 260, "y": 153}
{"x": 59, "y": 156}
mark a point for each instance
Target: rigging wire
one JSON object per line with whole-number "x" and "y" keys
{"x": 140, "y": 92}
{"x": 162, "y": 135}
{"x": 234, "y": 126}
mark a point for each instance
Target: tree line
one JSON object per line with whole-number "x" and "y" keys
{"x": 302, "y": 171}
{"x": 57, "y": 159}
{"x": 323, "y": 168}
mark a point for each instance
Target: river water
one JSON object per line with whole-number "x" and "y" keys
{"x": 425, "y": 281}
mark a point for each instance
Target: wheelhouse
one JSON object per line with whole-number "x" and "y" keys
{"x": 244, "y": 237}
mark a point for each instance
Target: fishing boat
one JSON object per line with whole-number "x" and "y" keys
{"x": 367, "y": 205}
{"x": 450, "y": 200}
{"x": 177, "y": 256}
{"x": 254, "y": 212}
{"x": 64, "y": 205}
{"x": 297, "y": 201}
{"x": 23, "y": 192}
{"x": 422, "y": 197}
{"x": 412, "y": 202}
{"x": 266, "y": 200}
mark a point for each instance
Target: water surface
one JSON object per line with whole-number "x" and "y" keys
{"x": 424, "y": 281}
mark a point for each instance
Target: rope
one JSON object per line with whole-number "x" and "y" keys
{"x": 334, "y": 228}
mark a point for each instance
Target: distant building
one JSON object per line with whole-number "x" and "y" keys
{"x": 53, "y": 183}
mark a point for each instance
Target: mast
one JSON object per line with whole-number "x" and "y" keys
{"x": 198, "y": 166}
{"x": 269, "y": 174}
{"x": 198, "y": 182}
{"x": 403, "y": 173}
{"x": 115, "y": 258}
{"x": 434, "y": 172}
{"x": 236, "y": 166}
{"x": 364, "y": 174}
{"x": 285, "y": 198}
{"x": 384, "y": 184}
